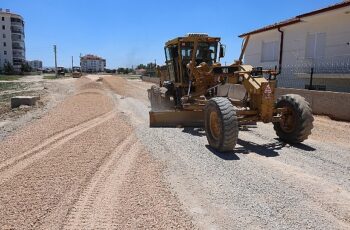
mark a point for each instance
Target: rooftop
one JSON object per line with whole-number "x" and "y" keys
{"x": 7, "y": 11}
{"x": 297, "y": 19}
{"x": 91, "y": 57}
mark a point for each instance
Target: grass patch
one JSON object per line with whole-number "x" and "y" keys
{"x": 9, "y": 77}
{"x": 49, "y": 77}
{"x": 12, "y": 86}
{"x": 132, "y": 77}
{"x": 53, "y": 76}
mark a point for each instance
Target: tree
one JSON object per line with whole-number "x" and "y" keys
{"x": 26, "y": 68}
{"x": 141, "y": 66}
{"x": 151, "y": 66}
{"x": 8, "y": 68}
{"x": 120, "y": 70}
{"x": 124, "y": 70}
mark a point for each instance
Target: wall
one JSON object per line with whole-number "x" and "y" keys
{"x": 151, "y": 79}
{"x": 333, "y": 104}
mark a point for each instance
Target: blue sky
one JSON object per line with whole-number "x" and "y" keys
{"x": 129, "y": 32}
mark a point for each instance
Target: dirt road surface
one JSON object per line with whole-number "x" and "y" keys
{"x": 92, "y": 162}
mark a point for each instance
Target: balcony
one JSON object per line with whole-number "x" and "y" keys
{"x": 16, "y": 30}
{"x": 18, "y": 48}
{"x": 20, "y": 24}
{"x": 18, "y": 61}
{"x": 18, "y": 55}
{"x": 17, "y": 38}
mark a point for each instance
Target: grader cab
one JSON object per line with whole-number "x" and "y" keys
{"x": 198, "y": 91}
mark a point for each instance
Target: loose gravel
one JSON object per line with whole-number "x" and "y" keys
{"x": 92, "y": 162}
{"x": 263, "y": 183}
{"x": 82, "y": 167}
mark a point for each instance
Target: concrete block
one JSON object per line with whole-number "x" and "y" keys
{"x": 23, "y": 100}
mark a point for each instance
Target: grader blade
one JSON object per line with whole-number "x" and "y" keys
{"x": 176, "y": 119}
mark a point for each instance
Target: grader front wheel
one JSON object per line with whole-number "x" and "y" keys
{"x": 221, "y": 124}
{"x": 297, "y": 120}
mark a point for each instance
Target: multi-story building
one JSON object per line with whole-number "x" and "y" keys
{"x": 36, "y": 64}
{"x": 92, "y": 64}
{"x": 12, "y": 46}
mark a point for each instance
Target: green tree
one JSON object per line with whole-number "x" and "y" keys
{"x": 120, "y": 70}
{"x": 26, "y": 68}
{"x": 141, "y": 66}
{"x": 8, "y": 68}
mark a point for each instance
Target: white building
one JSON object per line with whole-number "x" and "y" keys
{"x": 12, "y": 46}
{"x": 36, "y": 64}
{"x": 319, "y": 39}
{"x": 92, "y": 64}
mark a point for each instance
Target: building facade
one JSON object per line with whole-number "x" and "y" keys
{"x": 318, "y": 42}
{"x": 92, "y": 64}
{"x": 12, "y": 45}
{"x": 36, "y": 64}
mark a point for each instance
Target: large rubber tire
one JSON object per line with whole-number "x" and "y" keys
{"x": 300, "y": 119}
{"x": 220, "y": 113}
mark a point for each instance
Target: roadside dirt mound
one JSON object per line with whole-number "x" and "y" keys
{"x": 76, "y": 109}
{"x": 127, "y": 88}
{"x": 82, "y": 167}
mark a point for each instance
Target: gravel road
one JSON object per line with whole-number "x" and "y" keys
{"x": 263, "y": 183}
{"x": 92, "y": 162}
{"x": 82, "y": 167}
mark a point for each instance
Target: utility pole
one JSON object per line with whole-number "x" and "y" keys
{"x": 55, "y": 51}
{"x": 81, "y": 70}
{"x": 72, "y": 63}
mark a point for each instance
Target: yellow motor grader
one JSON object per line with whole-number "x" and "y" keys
{"x": 198, "y": 91}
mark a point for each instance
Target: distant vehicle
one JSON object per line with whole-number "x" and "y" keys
{"x": 48, "y": 70}
{"x": 61, "y": 71}
{"x": 76, "y": 72}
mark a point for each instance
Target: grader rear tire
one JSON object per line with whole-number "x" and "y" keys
{"x": 221, "y": 124}
{"x": 296, "y": 125}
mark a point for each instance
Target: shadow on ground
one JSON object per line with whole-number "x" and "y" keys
{"x": 199, "y": 132}
{"x": 266, "y": 150}
{"x": 228, "y": 156}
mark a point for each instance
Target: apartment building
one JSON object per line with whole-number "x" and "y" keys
{"x": 12, "y": 46}
{"x": 92, "y": 64}
{"x": 36, "y": 64}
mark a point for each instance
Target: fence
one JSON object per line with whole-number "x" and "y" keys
{"x": 331, "y": 74}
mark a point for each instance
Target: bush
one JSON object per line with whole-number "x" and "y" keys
{"x": 26, "y": 68}
{"x": 8, "y": 69}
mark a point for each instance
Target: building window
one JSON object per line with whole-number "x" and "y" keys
{"x": 4, "y": 44}
{"x": 2, "y": 18}
{"x": 3, "y": 27}
{"x": 269, "y": 51}
{"x": 315, "y": 45}
{"x": 5, "y": 52}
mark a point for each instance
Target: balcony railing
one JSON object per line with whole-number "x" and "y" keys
{"x": 18, "y": 39}
{"x": 16, "y": 30}
{"x": 18, "y": 48}
{"x": 18, "y": 55}
{"x": 20, "y": 24}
